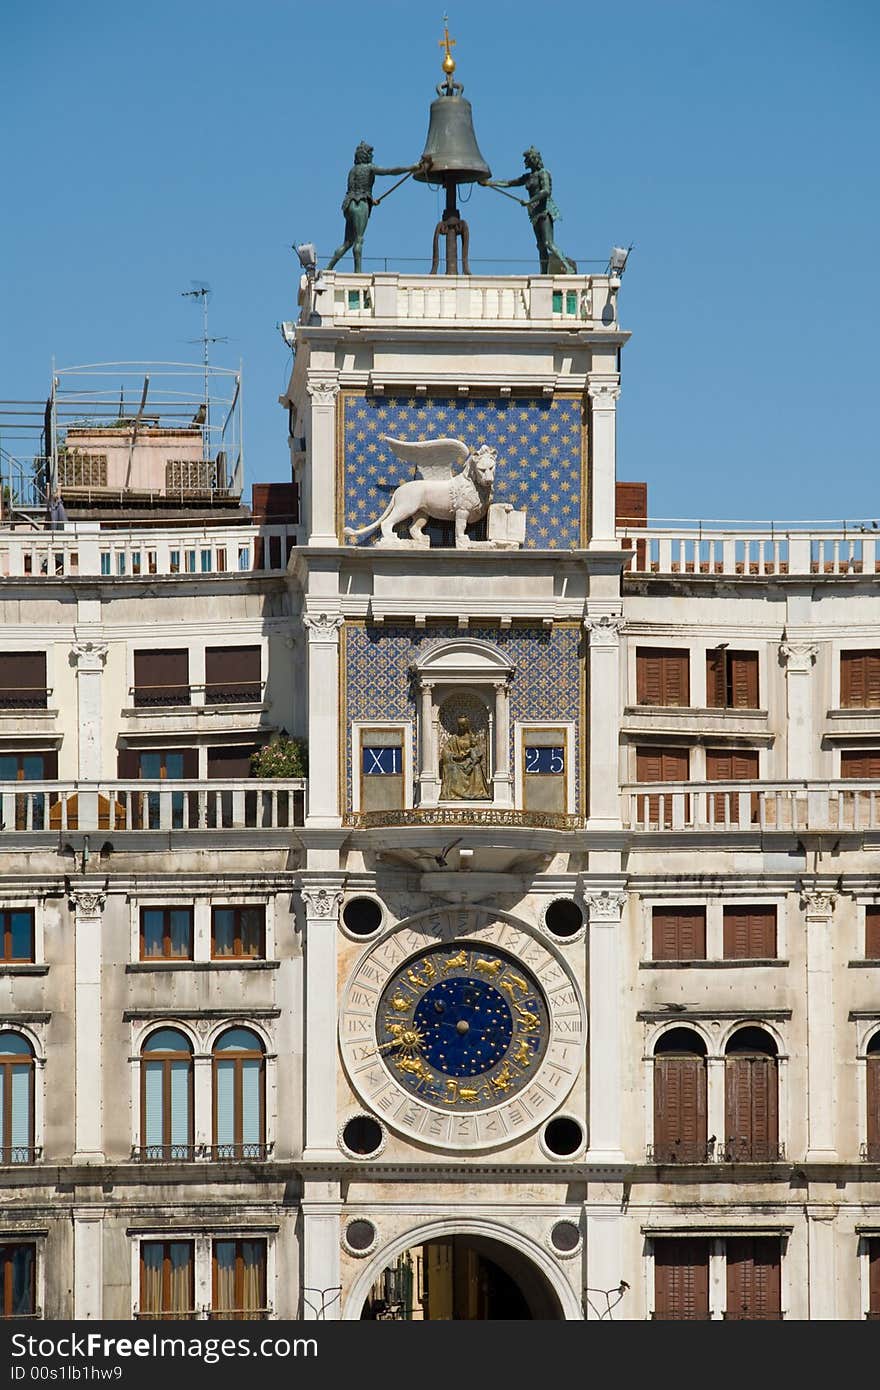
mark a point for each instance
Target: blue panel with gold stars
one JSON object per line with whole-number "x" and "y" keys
{"x": 539, "y": 442}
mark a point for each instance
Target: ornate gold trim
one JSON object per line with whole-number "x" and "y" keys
{"x": 449, "y": 815}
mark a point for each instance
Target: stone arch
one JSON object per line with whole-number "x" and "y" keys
{"x": 486, "y": 1234}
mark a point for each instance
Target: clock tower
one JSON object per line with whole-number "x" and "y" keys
{"x": 456, "y": 596}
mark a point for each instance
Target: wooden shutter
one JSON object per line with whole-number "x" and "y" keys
{"x": 679, "y": 933}
{"x": 743, "y": 679}
{"x": 754, "y": 1285}
{"x": 872, "y": 933}
{"x": 731, "y": 765}
{"x": 680, "y": 1123}
{"x": 874, "y": 1277}
{"x": 749, "y": 933}
{"x": 681, "y": 1279}
{"x": 716, "y": 682}
{"x": 860, "y": 763}
{"x": 234, "y": 670}
{"x": 127, "y": 764}
{"x": 23, "y": 679}
{"x": 860, "y": 680}
{"x": 751, "y": 1108}
{"x": 873, "y": 1082}
{"x": 230, "y": 762}
{"x": 662, "y": 677}
{"x": 161, "y": 677}
{"x": 661, "y": 765}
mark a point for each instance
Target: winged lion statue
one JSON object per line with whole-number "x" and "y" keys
{"x": 439, "y": 493}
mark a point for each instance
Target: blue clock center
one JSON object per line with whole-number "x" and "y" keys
{"x": 466, "y": 1026}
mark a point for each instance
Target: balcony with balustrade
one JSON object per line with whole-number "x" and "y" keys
{"x": 787, "y": 807}
{"x": 134, "y": 808}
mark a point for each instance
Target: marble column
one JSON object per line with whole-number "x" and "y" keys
{"x": 819, "y": 909}
{"x": 322, "y": 898}
{"x": 88, "y": 905}
{"x": 799, "y": 658}
{"x": 503, "y": 784}
{"x": 321, "y": 521}
{"x": 321, "y": 1207}
{"x": 89, "y": 657}
{"x": 605, "y": 1033}
{"x": 88, "y": 1263}
{"x": 429, "y": 772}
{"x": 603, "y": 629}
{"x": 323, "y": 685}
{"x": 604, "y": 390}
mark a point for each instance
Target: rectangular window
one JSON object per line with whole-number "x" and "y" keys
{"x": 681, "y": 1280}
{"x": 167, "y": 1280}
{"x": 874, "y": 1278}
{"x": 860, "y": 680}
{"x": 382, "y": 770}
{"x": 731, "y": 679}
{"x": 166, "y": 933}
{"x": 23, "y": 680}
{"x": 662, "y": 676}
{"x": 731, "y": 765}
{"x": 17, "y": 924}
{"x": 754, "y": 1284}
{"x": 233, "y": 675}
{"x": 18, "y": 1280}
{"x": 679, "y": 933}
{"x": 872, "y": 933}
{"x": 238, "y": 931}
{"x": 239, "y": 1280}
{"x": 661, "y": 765}
{"x": 863, "y": 764}
{"x": 750, "y": 933}
{"x": 544, "y": 771}
{"x": 31, "y": 807}
{"x": 161, "y": 678}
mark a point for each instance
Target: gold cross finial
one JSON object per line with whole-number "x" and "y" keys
{"x": 447, "y": 43}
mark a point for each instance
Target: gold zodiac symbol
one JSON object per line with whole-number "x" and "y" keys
{"x": 424, "y": 980}
{"x": 414, "y": 1066}
{"x": 529, "y": 1021}
{"x": 489, "y": 967}
{"x": 503, "y": 1081}
{"x": 512, "y": 985}
{"x": 466, "y": 1093}
{"x": 522, "y": 1055}
{"x": 400, "y": 1003}
{"x": 454, "y": 962}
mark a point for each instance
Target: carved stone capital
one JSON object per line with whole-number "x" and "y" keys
{"x": 89, "y": 656}
{"x": 321, "y": 902}
{"x": 799, "y": 657}
{"x": 603, "y": 392}
{"x": 605, "y": 906}
{"x": 604, "y": 629}
{"x": 323, "y": 392}
{"x": 323, "y": 627}
{"x": 818, "y": 902}
{"x": 87, "y": 902}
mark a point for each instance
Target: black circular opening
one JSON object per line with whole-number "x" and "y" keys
{"x": 362, "y": 1135}
{"x": 360, "y": 1234}
{"x": 564, "y": 918}
{"x": 565, "y": 1236}
{"x": 563, "y": 1136}
{"x": 362, "y": 916}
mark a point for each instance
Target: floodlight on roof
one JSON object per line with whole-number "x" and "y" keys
{"x": 308, "y": 257}
{"x": 618, "y": 259}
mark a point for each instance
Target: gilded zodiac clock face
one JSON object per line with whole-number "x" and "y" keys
{"x": 462, "y": 1031}
{"x": 462, "y": 1026}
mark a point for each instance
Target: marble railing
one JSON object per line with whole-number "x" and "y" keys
{"x": 722, "y": 806}
{"x": 246, "y": 804}
{"x": 83, "y": 549}
{"x": 753, "y": 551}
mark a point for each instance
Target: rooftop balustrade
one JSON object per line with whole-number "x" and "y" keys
{"x": 83, "y": 549}
{"x": 762, "y": 550}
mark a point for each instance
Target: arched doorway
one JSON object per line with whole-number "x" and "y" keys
{"x": 461, "y": 1278}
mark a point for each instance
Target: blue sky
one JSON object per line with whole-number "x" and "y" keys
{"x": 733, "y": 142}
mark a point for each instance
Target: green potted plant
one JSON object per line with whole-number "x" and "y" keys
{"x": 283, "y": 757}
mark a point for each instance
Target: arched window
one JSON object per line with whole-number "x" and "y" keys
{"x": 680, "y": 1098}
{"x": 873, "y": 1069}
{"x": 239, "y": 1095}
{"x": 167, "y": 1096}
{"x": 751, "y": 1098}
{"x": 16, "y": 1099}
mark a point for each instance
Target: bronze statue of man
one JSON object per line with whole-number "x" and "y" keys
{"x": 542, "y": 211}
{"x": 359, "y": 202}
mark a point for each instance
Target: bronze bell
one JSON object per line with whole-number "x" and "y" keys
{"x": 452, "y": 144}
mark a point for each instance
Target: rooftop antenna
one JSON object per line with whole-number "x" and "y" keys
{"x": 202, "y": 290}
